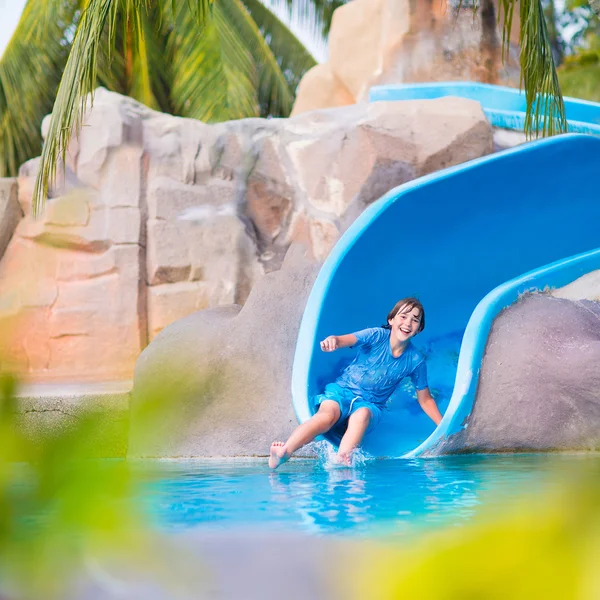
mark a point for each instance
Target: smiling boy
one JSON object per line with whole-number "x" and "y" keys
{"x": 385, "y": 357}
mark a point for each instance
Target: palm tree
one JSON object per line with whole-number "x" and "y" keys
{"x": 174, "y": 53}
{"x": 205, "y": 59}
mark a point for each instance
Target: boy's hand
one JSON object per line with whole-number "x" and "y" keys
{"x": 329, "y": 344}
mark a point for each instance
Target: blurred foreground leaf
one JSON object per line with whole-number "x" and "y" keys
{"x": 62, "y": 511}
{"x": 545, "y": 546}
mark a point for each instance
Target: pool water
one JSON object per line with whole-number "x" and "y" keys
{"x": 380, "y": 497}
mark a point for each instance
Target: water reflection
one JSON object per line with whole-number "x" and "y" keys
{"x": 378, "y": 497}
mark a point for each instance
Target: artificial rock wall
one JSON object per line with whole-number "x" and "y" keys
{"x": 157, "y": 217}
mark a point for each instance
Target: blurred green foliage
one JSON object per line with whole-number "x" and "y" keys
{"x": 62, "y": 510}
{"x": 54, "y": 504}
{"x": 545, "y": 546}
{"x": 579, "y": 75}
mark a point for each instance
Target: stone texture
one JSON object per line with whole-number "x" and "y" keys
{"x": 10, "y": 211}
{"x": 168, "y": 303}
{"x": 375, "y": 42}
{"x": 539, "y": 387}
{"x": 75, "y": 273}
{"x": 227, "y": 372}
{"x": 320, "y": 88}
{"x": 356, "y": 39}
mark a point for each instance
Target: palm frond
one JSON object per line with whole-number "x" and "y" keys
{"x": 545, "y": 106}
{"x": 30, "y": 71}
{"x": 134, "y": 62}
{"x": 79, "y": 79}
{"x": 213, "y": 73}
{"x": 291, "y": 56}
{"x": 80, "y": 73}
{"x": 149, "y": 82}
{"x": 111, "y": 60}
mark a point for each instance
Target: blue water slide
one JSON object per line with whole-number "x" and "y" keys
{"x": 466, "y": 241}
{"x": 503, "y": 106}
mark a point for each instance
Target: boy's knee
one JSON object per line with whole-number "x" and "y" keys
{"x": 362, "y": 416}
{"x": 328, "y": 417}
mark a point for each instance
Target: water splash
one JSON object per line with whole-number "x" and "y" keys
{"x": 328, "y": 457}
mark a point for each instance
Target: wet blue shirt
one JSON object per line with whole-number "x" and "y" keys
{"x": 375, "y": 372}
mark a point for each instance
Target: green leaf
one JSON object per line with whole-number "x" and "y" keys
{"x": 291, "y": 57}
{"x": 213, "y": 72}
{"x": 30, "y": 71}
{"x": 545, "y": 107}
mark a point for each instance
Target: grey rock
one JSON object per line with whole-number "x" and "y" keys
{"x": 507, "y": 138}
{"x": 539, "y": 387}
{"x": 10, "y": 211}
{"x": 226, "y": 373}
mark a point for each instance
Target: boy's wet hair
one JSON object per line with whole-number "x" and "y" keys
{"x": 408, "y": 304}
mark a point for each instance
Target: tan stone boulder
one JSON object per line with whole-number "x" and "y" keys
{"x": 380, "y": 146}
{"x": 356, "y": 41}
{"x": 76, "y": 308}
{"x": 586, "y": 287}
{"x": 374, "y": 42}
{"x": 320, "y": 88}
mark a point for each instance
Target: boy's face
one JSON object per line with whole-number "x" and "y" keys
{"x": 406, "y": 323}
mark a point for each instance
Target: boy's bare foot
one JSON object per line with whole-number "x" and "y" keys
{"x": 278, "y": 454}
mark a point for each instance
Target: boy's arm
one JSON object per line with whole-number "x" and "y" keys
{"x": 333, "y": 342}
{"x": 429, "y": 405}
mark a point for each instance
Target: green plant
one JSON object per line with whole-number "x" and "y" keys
{"x": 65, "y": 514}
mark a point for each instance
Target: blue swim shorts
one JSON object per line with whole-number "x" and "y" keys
{"x": 349, "y": 403}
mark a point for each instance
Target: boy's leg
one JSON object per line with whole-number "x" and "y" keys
{"x": 325, "y": 418}
{"x": 358, "y": 423}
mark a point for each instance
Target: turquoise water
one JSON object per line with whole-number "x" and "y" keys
{"x": 381, "y": 497}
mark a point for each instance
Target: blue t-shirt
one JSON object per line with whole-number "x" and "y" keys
{"x": 375, "y": 372}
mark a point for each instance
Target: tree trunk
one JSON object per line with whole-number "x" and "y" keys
{"x": 490, "y": 42}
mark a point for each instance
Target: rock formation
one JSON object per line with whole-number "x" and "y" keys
{"x": 227, "y": 372}
{"x": 157, "y": 217}
{"x": 539, "y": 386}
{"x": 375, "y": 42}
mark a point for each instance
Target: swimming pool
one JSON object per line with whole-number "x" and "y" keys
{"x": 381, "y": 497}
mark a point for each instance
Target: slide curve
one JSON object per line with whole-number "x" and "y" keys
{"x": 467, "y": 241}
